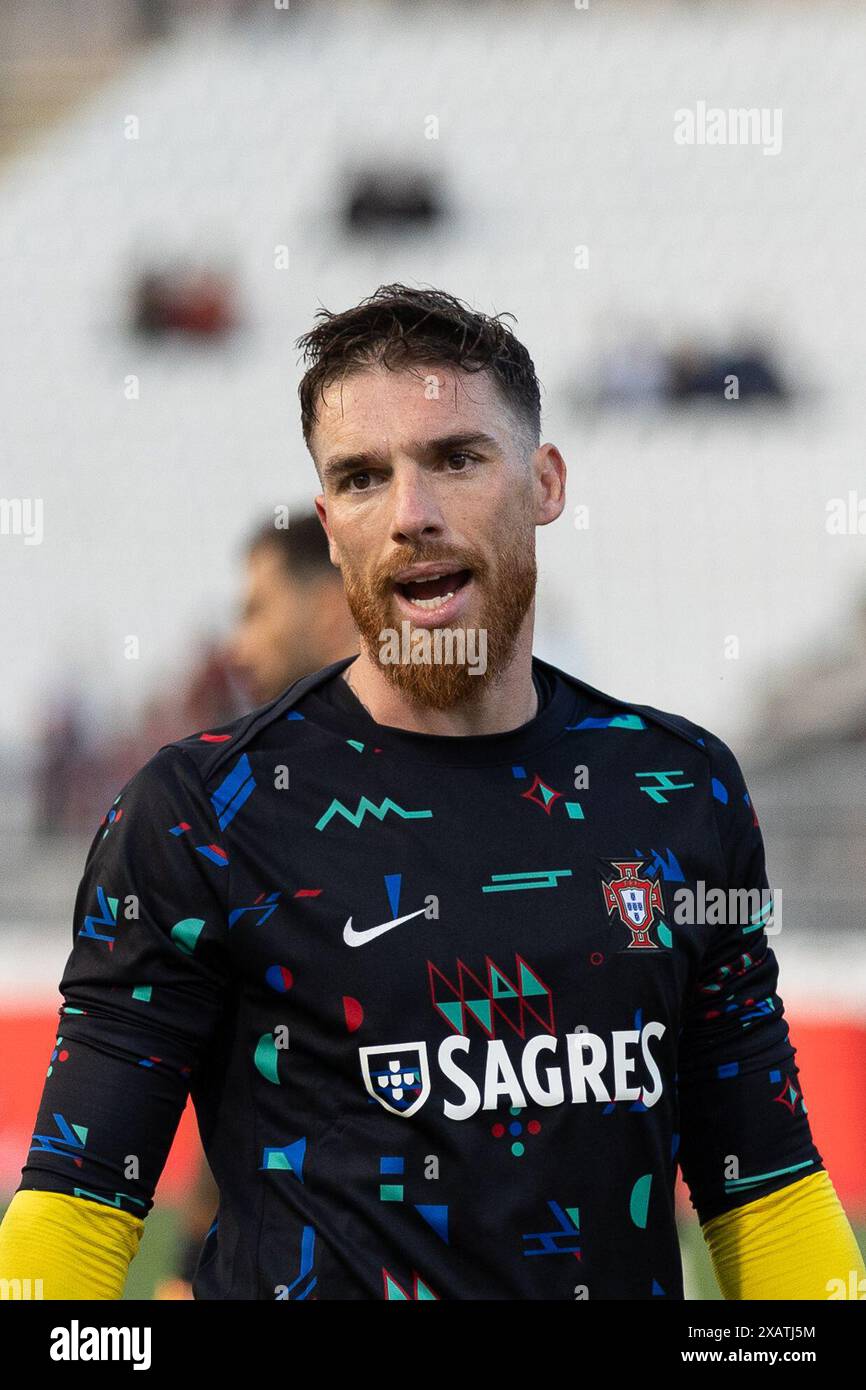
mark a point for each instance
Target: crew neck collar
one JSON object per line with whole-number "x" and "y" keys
{"x": 455, "y": 750}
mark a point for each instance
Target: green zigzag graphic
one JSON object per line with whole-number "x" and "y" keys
{"x": 365, "y": 805}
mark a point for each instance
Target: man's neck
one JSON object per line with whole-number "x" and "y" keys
{"x": 504, "y": 705}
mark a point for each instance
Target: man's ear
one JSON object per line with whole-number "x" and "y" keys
{"x": 550, "y": 472}
{"x": 323, "y": 517}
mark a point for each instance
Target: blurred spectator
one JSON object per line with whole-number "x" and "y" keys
{"x": 192, "y": 300}
{"x": 746, "y": 370}
{"x": 294, "y": 617}
{"x": 208, "y": 698}
{"x": 79, "y": 772}
{"x": 636, "y": 372}
{"x": 391, "y": 197}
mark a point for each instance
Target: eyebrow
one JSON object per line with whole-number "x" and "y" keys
{"x": 340, "y": 464}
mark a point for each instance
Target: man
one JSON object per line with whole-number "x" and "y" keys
{"x": 409, "y": 934}
{"x": 294, "y": 618}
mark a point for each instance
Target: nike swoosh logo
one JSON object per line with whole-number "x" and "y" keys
{"x": 358, "y": 938}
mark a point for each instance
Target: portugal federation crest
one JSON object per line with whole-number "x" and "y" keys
{"x": 397, "y": 1075}
{"x": 636, "y": 900}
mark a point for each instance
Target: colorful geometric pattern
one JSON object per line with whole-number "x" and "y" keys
{"x": 365, "y": 806}
{"x": 528, "y": 878}
{"x": 475, "y": 1003}
{"x": 663, "y": 784}
{"x": 393, "y": 1289}
{"x": 369, "y": 1146}
{"x": 514, "y": 1129}
{"x": 562, "y": 1239}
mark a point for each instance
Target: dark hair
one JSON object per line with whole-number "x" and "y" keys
{"x": 398, "y": 325}
{"x": 302, "y": 547}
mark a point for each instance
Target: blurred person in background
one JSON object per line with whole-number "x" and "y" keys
{"x": 61, "y": 742}
{"x": 80, "y": 764}
{"x": 294, "y": 619}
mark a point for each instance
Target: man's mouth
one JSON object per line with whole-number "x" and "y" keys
{"x": 433, "y": 590}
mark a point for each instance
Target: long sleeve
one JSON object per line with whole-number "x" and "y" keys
{"x": 744, "y": 1125}
{"x": 144, "y": 989}
{"x": 795, "y": 1243}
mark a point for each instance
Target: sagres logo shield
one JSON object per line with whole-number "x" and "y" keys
{"x": 397, "y": 1075}
{"x": 635, "y": 899}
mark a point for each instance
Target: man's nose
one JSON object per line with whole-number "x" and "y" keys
{"x": 416, "y": 514}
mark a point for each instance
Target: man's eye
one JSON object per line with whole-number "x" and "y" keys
{"x": 353, "y": 478}
{"x": 461, "y": 456}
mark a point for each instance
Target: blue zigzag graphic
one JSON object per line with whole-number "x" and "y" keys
{"x": 108, "y": 909}
{"x": 562, "y": 1241}
{"x": 73, "y": 1137}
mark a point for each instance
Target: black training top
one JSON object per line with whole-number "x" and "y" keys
{"x": 447, "y": 1021}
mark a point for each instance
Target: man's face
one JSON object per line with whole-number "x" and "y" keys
{"x": 427, "y": 477}
{"x": 268, "y": 649}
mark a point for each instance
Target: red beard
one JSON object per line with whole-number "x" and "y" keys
{"x": 506, "y": 595}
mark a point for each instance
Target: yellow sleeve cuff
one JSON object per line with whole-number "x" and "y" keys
{"x": 53, "y": 1246}
{"x": 796, "y": 1243}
